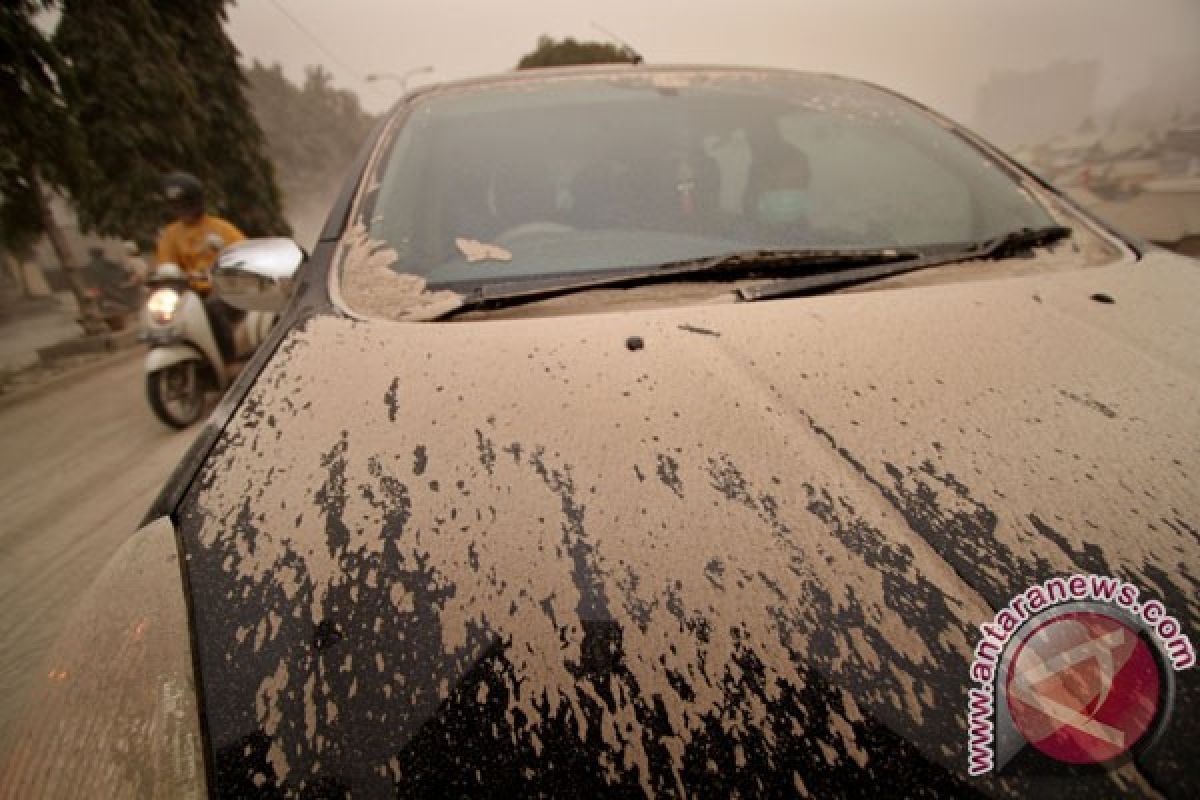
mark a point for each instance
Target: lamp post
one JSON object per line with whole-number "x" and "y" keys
{"x": 401, "y": 78}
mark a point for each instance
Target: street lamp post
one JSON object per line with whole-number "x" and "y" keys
{"x": 401, "y": 78}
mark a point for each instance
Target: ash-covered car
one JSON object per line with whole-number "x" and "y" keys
{"x": 668, "y": 431}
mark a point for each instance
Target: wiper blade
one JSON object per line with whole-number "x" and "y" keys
{"x": 739, "y": 262}
{"x": 787, "y": 259}
{"x": 999, "y": 247}
{"x": 1020, "y": 241}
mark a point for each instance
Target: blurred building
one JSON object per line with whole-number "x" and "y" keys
{"x": 1146, "y": 183}
{"x": 1014, "y": 108}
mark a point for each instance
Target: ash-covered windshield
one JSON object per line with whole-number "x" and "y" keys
{"x": 506, "y": 181}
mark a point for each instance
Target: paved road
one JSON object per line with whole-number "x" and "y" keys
{"x": 79, "y": 466}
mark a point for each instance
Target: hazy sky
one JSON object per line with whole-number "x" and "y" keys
{"x": 937, "y": 51}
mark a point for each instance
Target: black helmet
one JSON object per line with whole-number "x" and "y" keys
{"x": 184, "y": 194}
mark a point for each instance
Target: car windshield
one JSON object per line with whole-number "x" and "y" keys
{"x": 566, "y": 175}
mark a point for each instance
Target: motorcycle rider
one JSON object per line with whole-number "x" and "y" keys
{"x": 193, "y": 241}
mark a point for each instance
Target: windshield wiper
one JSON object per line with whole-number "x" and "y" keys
{"x": 738, "y": 263}
{"x": 839, "y": 268}
{"x": 1021, "y": 241}
{"x": 1005, "y": 246}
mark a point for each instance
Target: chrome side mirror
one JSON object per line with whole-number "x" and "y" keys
{"x": 258, "y": 274}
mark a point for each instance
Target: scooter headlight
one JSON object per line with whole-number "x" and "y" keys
{"x": 162, "y": 304}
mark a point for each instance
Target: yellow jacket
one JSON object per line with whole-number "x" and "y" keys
{"x": 194, "y": 246}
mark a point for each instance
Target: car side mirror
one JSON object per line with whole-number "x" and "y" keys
{"x": 258, "y": 274}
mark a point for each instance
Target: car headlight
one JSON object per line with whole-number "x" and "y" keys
{"x": 162, "y": 304}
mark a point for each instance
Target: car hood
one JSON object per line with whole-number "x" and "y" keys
{"x": 740, "y": 548}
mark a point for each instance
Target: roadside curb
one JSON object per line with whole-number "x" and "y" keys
{"x": 84, "y": 345}
{"x": 67, "y": 378}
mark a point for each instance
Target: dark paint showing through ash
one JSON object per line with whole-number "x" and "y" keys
{"x": 593, "y": 603}
{"x": 462, "y": 744}
{"x": 331, "y": 496}
{"x": 1166, "y": 764}
{"x": 728, "y": 480}
{"x": 1089, "y": 557}
{"x": 1088, "y": 402}
{"x": 813, "y": 618}
{"x": 668, "y": 473}
{"x": 474, "y": 740}
{"x": 470, "y": 748}
{"x": 941, "y": 681}
{"x": 487, "y": 452}
{"x": 552, "y": 757}
{"x": 965, "y": 540}
{"x": 335, "y": 669}
{"x": 714, "y": 571}
{"x": 473, "y": 746}
{"x": 701, "y": 331}
{"x": 391, "y": 399}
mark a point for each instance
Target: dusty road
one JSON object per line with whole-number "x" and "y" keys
{"x": 79, "y": 466}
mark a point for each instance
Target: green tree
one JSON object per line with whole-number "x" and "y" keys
{"x": 156, "y": 87}
{"x": 39, "y": 141}
{"x": 566, "y": 52}
{"x": 312, "y": 132}
{"x": 238, "y": 172}
{"x": 40, "y": 145}
{"x": 133, "y": 100}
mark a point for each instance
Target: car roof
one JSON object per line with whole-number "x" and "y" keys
{"x": 544, "y": 74}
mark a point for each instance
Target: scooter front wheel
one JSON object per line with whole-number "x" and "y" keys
{"x": 176, "y": 393}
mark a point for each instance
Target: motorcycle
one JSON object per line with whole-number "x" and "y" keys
{"x": 114, "y": 313}
{"x": 185, "y": 363}
{"x": 114, "y": 294}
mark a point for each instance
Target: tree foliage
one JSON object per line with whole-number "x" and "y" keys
{"x": 551, "y": 52}
{"x": 231, "y": 144}
{"x": 312, "y": 131}
{"x": 38, "y": 134}
{"x": 156, "y": 87}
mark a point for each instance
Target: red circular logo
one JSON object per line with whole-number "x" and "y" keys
{"x": 1083, "y": 687}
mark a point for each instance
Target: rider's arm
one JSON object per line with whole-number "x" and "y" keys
{"x": 167, "y": 248}
{"x": 229, "y": 232}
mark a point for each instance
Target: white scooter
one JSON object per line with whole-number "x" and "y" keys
{"x": 185, "y": 362}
